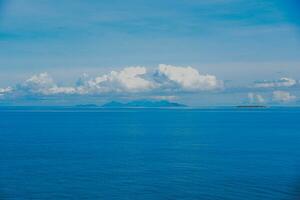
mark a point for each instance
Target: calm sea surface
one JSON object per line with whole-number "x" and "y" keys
{"x": 149, "y": 154}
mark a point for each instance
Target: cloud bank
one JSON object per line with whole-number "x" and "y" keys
{"x": 164, "y": 79}
{"x": 165, "y": 82}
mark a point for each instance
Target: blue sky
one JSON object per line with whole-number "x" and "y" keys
{"x": 240, "y": 43}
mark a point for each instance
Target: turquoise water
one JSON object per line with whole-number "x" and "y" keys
{"x": 149, "y": 154}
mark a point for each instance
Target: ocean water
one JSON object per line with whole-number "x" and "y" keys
{"x": 149, "y": 154}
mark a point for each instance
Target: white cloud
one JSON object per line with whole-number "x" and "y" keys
{"x": 6, "y": 90}
{"x": 186, "y": 78}
{"x": 127, "y": 80}
{"x": 44, "y": 84}
{"x": 136, "y": 79}
{"x": 282, "y": 82}
{"x": 39, "y": 83}
{"x": 166, "y": 79}
{"x": 282, "y": 96}
{"x": 61, "y": 90}
{"x": 255, "y": 98}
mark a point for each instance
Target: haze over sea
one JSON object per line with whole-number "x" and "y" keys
{"x": 149, "y": 154}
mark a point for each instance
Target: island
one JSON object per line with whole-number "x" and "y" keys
{"x": 86, "y": 106}
{"x": 143, "y": 104}
{"x": 252, "y": 106}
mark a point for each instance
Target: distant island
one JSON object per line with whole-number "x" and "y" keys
{"x": 143, "y": 104}
{"x": 86, "y": 105}
{"x": 252, "y": 106}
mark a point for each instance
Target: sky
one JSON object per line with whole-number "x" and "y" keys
{"x": 201, "y": 53}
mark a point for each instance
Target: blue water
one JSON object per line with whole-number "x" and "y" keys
{"x": 149, "y": 154}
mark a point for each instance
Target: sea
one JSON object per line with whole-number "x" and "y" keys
{"x": 222, "y": 153}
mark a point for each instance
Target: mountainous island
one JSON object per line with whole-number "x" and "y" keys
{"x": 143, "y": 104}
{"x": 86, "y": 106}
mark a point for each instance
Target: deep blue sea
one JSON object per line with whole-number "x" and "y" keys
{"x": 149, "y": 154}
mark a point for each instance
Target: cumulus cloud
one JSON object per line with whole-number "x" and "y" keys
{"x": 255, "y": 98}
{"x": 138, "y": 79}
{"x": 6, "y": 90}
{"x": 283, "y": 96}
{"x": 186, "y": 78}
{"x": 38, "y": 83}
{"x": 282, "y": 82}
{"x": 45, "y": 85}
{"x": 129, "y": 79}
